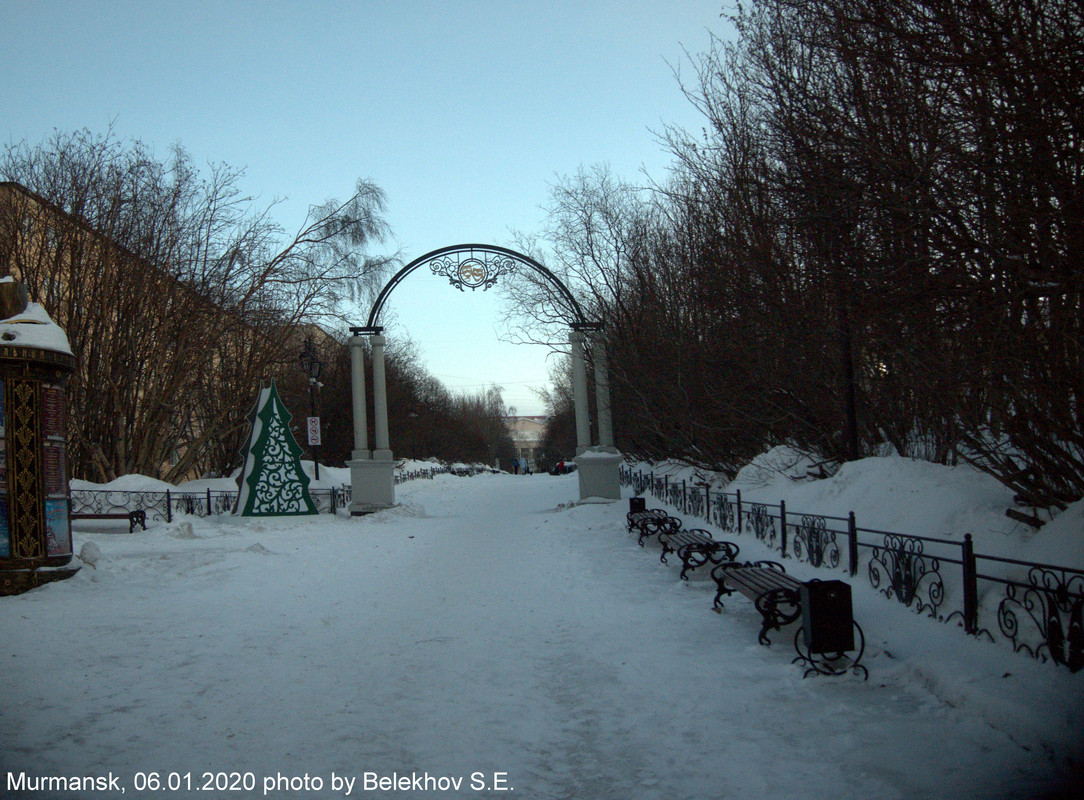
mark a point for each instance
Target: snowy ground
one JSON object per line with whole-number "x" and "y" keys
{"x": 488, "y": 632}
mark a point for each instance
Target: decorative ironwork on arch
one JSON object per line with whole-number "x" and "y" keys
{"x": 473, "y": 266}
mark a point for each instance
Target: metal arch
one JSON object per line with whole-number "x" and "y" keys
{"x": 580, "y": 323}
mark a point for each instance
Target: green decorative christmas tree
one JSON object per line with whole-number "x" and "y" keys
{"x": 273, "y": 484}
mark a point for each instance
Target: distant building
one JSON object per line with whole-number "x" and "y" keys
{"x": 526, "y": 433}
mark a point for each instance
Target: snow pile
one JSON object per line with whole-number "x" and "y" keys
{"x": 126, "y": 483}
{"x": 90, "y": 554}
{"x": 902, "y": 495}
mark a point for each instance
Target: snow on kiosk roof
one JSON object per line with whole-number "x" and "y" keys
{"x": 33, "y": 327}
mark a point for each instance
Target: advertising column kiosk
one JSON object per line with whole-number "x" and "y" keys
{"x": 35, "y": 531}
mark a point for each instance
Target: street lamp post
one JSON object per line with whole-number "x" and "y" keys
{"x": 311, "y": 365}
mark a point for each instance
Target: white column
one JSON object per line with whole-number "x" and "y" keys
{"x": 598, "y": 467}
{"x": 380, "y": 401}
{"x": 602, "y": 395}
{"x": 372, "y": 475}
{"x": 579, "y": 391}
{"x": 357, "y": 391}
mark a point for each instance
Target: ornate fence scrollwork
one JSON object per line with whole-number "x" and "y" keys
{"x": 223, "y": 502}
{"x": 1054, "y": 602}
{"x": 908, "y": 574}
{"x": 762, "y": 524}
{"x": 675, "y": 496}
{"x": 694, "y": 504}
{"x": 473, "y": 270}
{"x": 110, "y": 501}
{"x": 191, "y": 504}
{"x": 722, "y": 513}
{"x": 817, "y": 542}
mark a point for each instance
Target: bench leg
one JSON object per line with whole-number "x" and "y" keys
{"x": 693, "y": 557}
{"x": 720, "y": 591}
{"x": 777, "y": 608}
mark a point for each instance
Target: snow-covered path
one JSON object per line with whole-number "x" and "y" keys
{"x": 477, "y": 633}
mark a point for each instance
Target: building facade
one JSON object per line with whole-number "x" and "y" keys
{"x": 527, "y": 433}
{"x": 169, "y": 356}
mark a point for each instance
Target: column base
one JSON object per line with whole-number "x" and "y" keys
{"x": 372, "y": 485}
{"x": 599, "y": 475}
{"x": 17, "y": 581}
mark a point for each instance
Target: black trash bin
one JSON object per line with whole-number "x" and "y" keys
{"x": 827, "y": 617}
{"x": 637, "y": 504}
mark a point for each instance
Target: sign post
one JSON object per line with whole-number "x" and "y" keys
{"x": 314, "y": 442}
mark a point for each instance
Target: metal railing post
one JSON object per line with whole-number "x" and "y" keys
{"x": 971, "y": 590}
{"x": 783, "y": 528}
{"x": 852, "y": 543}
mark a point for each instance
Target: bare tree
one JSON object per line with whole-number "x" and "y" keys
{"x": 921, "y": 170}
{"x": 176, "y": 297}
{"x": 593, "y": 221}
{"x": 875, "y": 242}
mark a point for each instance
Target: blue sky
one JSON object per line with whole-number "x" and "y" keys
{"x": 465, "y": 113}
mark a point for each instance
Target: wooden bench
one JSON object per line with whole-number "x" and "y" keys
{"x": 134, "y": 517}
{"x": 776, "y": 595}
{"x": 695, "y": 547}
{"x": 826, "y": 634}
{"x": 652, "y": 522}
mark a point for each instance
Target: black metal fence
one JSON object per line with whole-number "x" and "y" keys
{"x": 161, "y": 506}
{"x": 460, "y": 471}
{"x": 164, "y": 505}
{"x": 1039, "y": 607}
